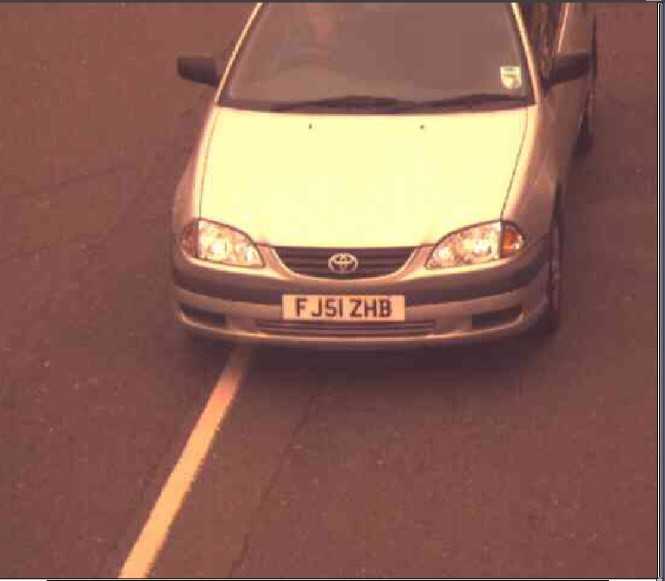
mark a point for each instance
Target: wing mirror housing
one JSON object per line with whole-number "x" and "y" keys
{"x": 199, "y": 69}
{"x": 569, "y": 67}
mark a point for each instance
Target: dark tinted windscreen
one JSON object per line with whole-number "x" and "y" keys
{"x": 410, "y": 51}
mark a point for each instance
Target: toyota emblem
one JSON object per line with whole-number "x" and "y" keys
{"x": 343, "y": 263}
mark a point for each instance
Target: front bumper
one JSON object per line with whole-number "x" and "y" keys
{"x": 469, "y": 304}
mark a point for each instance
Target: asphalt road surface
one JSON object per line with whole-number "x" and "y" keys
{"x": 510, "y": 459}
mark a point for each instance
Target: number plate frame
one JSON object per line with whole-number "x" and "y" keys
{"x": 344, "y": 308}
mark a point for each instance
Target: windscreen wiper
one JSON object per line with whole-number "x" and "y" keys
{"x": 394, "y": 105}
{"x": 461, "y": 101}
{"x": 343, "y": 101}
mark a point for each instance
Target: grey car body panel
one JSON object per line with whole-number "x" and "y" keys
{"x": 535, "y": 183}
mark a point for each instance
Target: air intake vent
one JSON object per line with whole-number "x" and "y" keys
{"x": 319, "y": 329}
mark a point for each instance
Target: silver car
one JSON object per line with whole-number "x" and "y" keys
{"x": 384, "y": 174}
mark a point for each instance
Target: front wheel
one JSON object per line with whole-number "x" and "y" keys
{"x": 551, "y": 318}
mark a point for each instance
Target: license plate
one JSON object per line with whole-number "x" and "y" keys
{"x": 343, "y": 308}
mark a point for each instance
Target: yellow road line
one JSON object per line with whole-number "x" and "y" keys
{"x": 173, "y": 494}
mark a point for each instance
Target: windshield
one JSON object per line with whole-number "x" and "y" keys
{"x": 378, "y": 55}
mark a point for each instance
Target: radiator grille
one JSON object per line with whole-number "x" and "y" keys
{"x": 372, "y": 262}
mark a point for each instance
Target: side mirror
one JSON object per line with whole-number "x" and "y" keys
{"x": 569, "y": 67}
{"x": 200, "y": 69}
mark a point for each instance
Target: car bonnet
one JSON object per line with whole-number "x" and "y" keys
{"x": 358, "y": 180}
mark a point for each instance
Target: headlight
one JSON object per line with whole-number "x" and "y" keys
{"x": 220, "y": 244}
{"x": 477, "y": 245}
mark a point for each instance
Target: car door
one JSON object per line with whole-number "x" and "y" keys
{"x": 557, "y": 28}
{"x": 568, "y": 99}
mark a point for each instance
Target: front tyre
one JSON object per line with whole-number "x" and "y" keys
{"x": 551, "y": 319}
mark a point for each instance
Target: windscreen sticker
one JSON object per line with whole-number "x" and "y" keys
{"x": 511, "y": 78}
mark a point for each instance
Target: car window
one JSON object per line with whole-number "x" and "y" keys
{"x": 542, "y": 24}
{"x": 408, "y": 51}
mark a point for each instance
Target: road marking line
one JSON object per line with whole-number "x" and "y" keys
{"x": 182, "y": 477}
